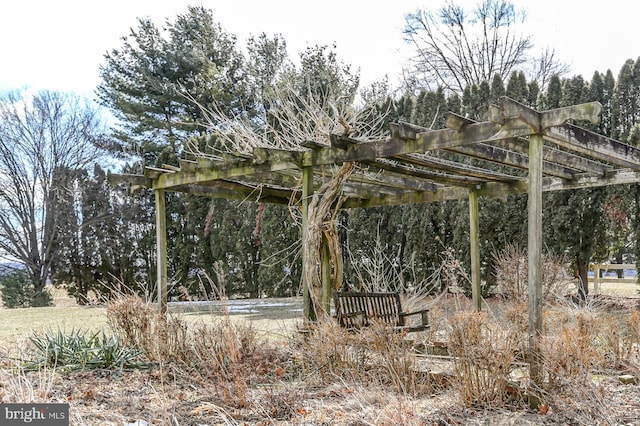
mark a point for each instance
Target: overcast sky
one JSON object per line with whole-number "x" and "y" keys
{"x": 59, "y": 44}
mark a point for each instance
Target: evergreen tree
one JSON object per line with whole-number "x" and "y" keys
{"x": 533, "y": 95}
{"x": 405, "y": 108}
{"x": 574, "y": 222}
{"x": 553, "y": 95}
{"x": 279, "y": 272}
{"x": 158, "y": 85}
{"x": 97, "y": 243}
{"x": 497, "y": 88}
{"x": 517, "y": 88}
{"x": 624, "y": 121}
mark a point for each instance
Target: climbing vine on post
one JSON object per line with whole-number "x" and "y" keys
{"x": 321, "y": 227}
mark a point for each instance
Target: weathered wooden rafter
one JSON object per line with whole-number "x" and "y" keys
{"x": 432, "y": 163}
{"x": 557, "y": 157}
{"x": 594, "y": 145}
{"x": 504, "y": 157}
{"x": 391, "y": 179}
{"x": 514, "y": 152}
{"x": 238, "y": 193}
{"x": 406, "y": 167}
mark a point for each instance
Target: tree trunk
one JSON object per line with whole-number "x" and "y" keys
{"x": 619, "y": 272}
{"x": 582, "y": 267}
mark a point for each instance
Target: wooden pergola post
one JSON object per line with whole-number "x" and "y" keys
{"x": 535, "y": 257}
{"x": 307, "y": 193}
{"x": 474, "y": 240}
{"x": 161, "y": 250}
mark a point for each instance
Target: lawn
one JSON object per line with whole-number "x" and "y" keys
{"x": 275, "y": 317}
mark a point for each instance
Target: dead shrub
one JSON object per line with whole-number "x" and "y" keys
{"x": 222, "y": 353}
{"x": 581, "y": 346}
{"x": 373, "y": 355}
{"x": 139, "y": 325}
{"x": 512, "y": 275}
{"x": 516, "y": 312}
{"x": 572, "y": 350}
{"x": 622, "y": 339}
{"x": 484, "y": 352}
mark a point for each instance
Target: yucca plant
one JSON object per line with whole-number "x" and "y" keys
{"x": 80, "y": 349}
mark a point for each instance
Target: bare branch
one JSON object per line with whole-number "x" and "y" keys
{"x": 290, "y": 120}
{"x": 454, "y": 49}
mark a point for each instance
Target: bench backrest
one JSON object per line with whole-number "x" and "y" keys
{"x": 357, "y": 309}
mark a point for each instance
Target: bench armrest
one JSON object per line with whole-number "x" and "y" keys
{"x": 424, "y": 313}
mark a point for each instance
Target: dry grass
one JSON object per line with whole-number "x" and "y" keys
{"x": 211, "y": 369}
{"x": 371, "y": 355}
{"x": 484, "y": 354}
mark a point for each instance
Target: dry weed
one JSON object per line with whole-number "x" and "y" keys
{"x": 484, "y": 352}
{"x": 622, "y": 339}
{"x": 571, "y": 348}
{"x": 374, "y": 355}
{"x": 579, "y": 343}
{"x": 221, "y": 353}
{"x": 512, "y": 275}
{"x": 18, "y": 386}
{"x": 139, "y": 325}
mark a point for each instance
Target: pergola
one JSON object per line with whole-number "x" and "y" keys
{"x": 537, "y": 151}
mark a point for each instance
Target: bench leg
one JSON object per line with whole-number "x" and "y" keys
{"x": 425, "y": 318}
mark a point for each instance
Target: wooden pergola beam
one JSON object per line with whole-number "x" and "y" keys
{"x": 393, "y": 180}
{"x": 307, "y": 194}
{"x": 534, "y": 253}
{"x": 474, "y": 242}
{"x": 503, "y": 157}
{"x": 514, "y": 152}
{"x": 202, "y": 175}
{"x": 437, "y": 139}
{"x": 619, "y": 177}
{"x": 594, "y": 145}
{"x": 540, "y": 121}
{"x": 161, "y": 251}
{"x": 552, "y": 155}
{"x": 448, "y": 166}
{"x": 131, "y": 179}
{"x": 436, "y": 177}
{"x": 237, "y": 191}
{"x": 447, "y": 193}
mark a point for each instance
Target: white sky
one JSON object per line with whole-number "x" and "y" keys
{"x": 59, "y": 44}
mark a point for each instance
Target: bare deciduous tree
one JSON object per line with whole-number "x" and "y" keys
{"x": 43, "y": 136}
{"x": 455, "y": 49}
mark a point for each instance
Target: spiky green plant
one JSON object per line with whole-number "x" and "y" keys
{"x": 80, "y": 349}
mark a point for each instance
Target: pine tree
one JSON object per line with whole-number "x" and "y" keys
{"x": 553, "y": 95}
{"x": 497, "y": 88}
{"x": 517, "y": 88}
{"x": 574, "y": 222}
{"x": 157, "y": 84}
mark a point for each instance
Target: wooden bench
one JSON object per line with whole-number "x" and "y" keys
{"x": 355, "y": 310}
